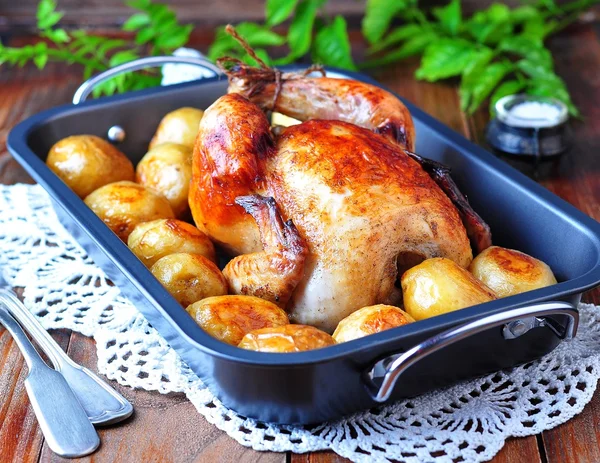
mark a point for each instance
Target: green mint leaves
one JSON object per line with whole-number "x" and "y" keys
{"x": 308, "y": 33}
{"x": 157, "y": 32}
{"x": 495, "y": 52}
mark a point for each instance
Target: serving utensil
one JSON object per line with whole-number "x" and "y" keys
{"x": 102, "y": 404}
{"x": 62, "y": 419}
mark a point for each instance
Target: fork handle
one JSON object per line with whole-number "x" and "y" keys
{"x": 61, "y": 417}
{"x": 101, "y": 402}
{"x": 54, "y": 352}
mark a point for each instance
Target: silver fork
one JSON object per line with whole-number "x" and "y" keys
{"x": 102, "y": 404}
{"x": 61, "y": 417}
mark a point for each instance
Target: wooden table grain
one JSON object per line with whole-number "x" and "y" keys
{"x": 167, "y": 428}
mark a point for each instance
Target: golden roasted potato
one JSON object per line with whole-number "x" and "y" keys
{"x": 439, "y": 285}
{"x": 508, "y": 272}
{"x": 286, "y": 338}
{"x": 167, "y": 169}
{"x": 123, "y": 205}
{"x": 179, "y": 126}
{"x": 150, "y": 241}
{"x": 189, "y": 277}
{"x": 86, "y": 162}
{"x": 230, "y": 318}
{"x": 370, "y": 320}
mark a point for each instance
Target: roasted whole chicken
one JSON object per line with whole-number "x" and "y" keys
{"x": 323, "y": 215}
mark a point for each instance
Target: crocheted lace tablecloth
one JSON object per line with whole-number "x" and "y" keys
{"x": 466, "y": 422}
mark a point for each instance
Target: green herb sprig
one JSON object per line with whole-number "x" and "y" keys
{"x": 494, "y": 53}
{"x": 157, "y": 32}
{"x": 310, "y": 32}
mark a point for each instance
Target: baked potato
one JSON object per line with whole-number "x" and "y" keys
{"x": 286, "y": 338}
{"x": 86, "y": 162}
{"x": 230, "y": 318}
{"x": 167, "y": 169}
{"x": 189, "y": 277}
{"x": 370, "y": 320}
{"x": 179, "y": 126}
{"x": 150, "y": 241}
{"x": 440, "y": 285}
{"x": 123, "y": 205}
{"x": 508, "y": 272}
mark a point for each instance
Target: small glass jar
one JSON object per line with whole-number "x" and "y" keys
{"x": 538, "y": 130}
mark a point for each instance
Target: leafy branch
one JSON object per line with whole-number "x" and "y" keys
{"x": 157, "y": 31}
{"x": 494, "y": 52}
{"x": 309, "y": 32}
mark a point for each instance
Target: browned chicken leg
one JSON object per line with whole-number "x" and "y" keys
{"x": 271, "y": 274}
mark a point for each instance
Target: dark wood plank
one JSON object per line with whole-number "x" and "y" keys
{"x": 318, "y": 457}
{"x": 524, "y": 449}
{"x": 579, "y": 439}
{"x": 14, "y": 16}
{"x": 19, "y": 436}
{"x": 576, "y": 441}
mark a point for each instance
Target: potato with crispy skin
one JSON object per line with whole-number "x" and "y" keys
{"x": 179, "y": 126}
{"x": 370, "y": 320}
{"x": 230, "y": 318}
{"x": 123, "y": 205}
{"x": 439, "y": 285}
{"x": 189, "y": 277}
{"x": 86, "y": 162}
{"x": 167, "y": 169}
{"x": 150, "y": 241}
{"x": 287, "y": 338}
{"x": 508, "y": 272}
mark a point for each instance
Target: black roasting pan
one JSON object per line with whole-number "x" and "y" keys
{"x": 325, "y": 384}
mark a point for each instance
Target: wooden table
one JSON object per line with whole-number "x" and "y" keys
{"x": 167, "y": 427}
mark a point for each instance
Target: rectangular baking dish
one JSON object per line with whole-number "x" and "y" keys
{"x": 325, "y": 384}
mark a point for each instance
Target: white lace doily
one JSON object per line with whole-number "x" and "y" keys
{"x": 471, "y": 420}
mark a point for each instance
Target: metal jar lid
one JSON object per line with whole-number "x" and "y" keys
{"x": 505, "y": 112}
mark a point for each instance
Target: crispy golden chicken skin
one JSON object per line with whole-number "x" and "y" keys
{"x": 179, "y": 126}
{"x": 287, "y": 338}
{"x": 150, "y": 241}
{"x": 508, "y": 272}
{"x": 86, "y": 162}
{"x": 189, "y": 277}
{"x": 437, "y": 286}
{"x": 123, "y": 205}
{"x": 167, "y": 169}
{"x": 357, "y": 201}
{"x": 370, "y": 320}
{"x": 230, "y": 318}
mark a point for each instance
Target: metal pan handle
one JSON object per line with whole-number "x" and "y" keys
{"x": 382, "y": 377}
{"x": 86, "y": 88}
